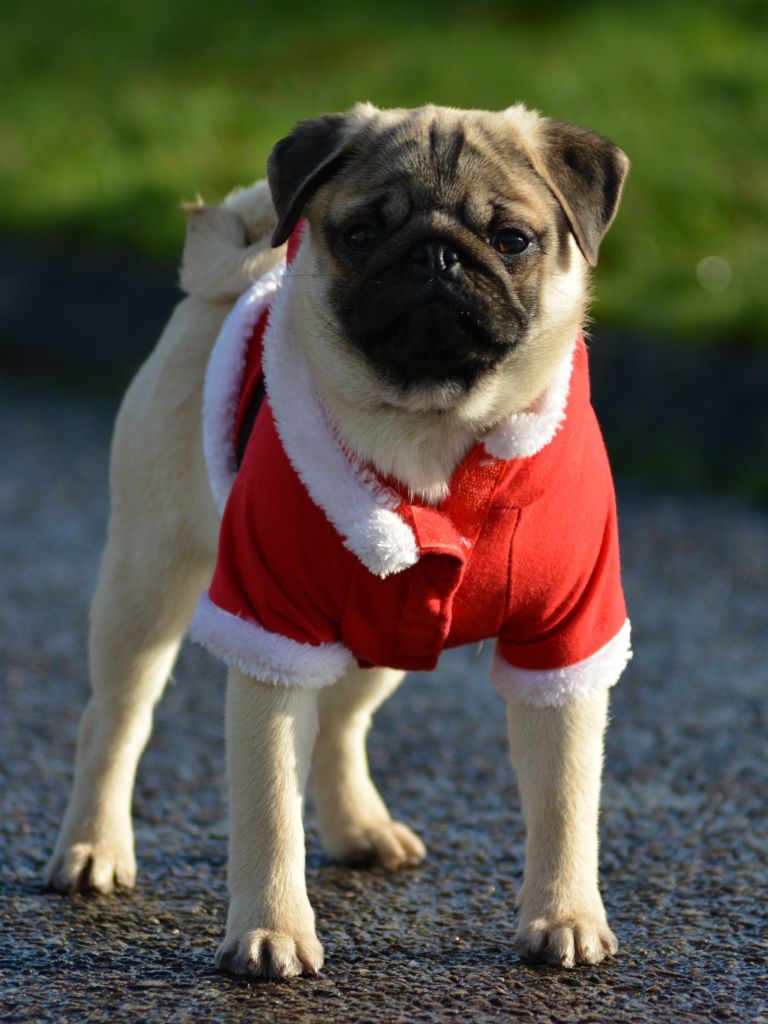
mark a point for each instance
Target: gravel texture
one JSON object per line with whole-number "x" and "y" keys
{"x": 685, "y": 829}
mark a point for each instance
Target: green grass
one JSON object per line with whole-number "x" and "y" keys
{"x": 112, "y": 112}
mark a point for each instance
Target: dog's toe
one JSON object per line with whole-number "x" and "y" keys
{"x": 390, "y": 844}
{"x": 265, "y": 955}
{"x": 90, "y": 867}
{"x": 577, "y": 940}
{"x": 396, "y": 846}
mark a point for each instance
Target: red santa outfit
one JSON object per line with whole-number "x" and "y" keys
{"x": 321, "y": 564}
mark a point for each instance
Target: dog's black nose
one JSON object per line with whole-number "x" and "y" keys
{"x": 434, "y": 258}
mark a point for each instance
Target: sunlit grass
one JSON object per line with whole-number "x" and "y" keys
{"x": 112, "y": 112}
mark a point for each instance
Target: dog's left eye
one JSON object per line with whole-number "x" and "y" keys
{"x": 361, "y": 237}
{"x": 510, "y": 242}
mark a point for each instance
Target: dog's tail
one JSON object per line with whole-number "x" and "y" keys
{"x": 228, "y": 246}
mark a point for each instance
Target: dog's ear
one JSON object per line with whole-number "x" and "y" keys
{"x": 586, "y": 173}
{"x": 301, "y": 162}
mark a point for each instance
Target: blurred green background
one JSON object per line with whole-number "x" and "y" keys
{"x": 113, "y": 111}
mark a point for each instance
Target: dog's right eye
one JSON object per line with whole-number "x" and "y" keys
{"x": 361, "y": 237}
{"x": 510, "y": 242}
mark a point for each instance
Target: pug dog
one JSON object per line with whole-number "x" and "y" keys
{"x": 337, "y": 464}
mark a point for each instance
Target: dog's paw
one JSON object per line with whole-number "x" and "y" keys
{"x": 90, "y": 867}
{"x": 389, "y": 843}
{"x": 264, "y": 954}
{"x": 583, "y": 939}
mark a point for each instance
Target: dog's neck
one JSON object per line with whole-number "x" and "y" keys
{"x": 418, "y": 449}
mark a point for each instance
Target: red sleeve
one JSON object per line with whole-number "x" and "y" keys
{"x": 566, "y": 595}
{"x": 577, "y": 611}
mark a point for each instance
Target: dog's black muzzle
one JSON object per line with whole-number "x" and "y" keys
{"x": 427, "y": 319}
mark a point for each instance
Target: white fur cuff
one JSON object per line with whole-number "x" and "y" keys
{"x": 266, "y": 656}
{"x": 554, "y": 687}
{"x": 223, "y": 380}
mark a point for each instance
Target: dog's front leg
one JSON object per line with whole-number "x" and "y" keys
{"x": 270, "y": 735}
{"x": 355, "y": 824}
{"x": 557, "y": 753}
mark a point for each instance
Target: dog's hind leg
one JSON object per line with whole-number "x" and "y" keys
{"x": 138, "y": 618}
{"x": 158, "y": 558}
{"x": 354, "y": 821}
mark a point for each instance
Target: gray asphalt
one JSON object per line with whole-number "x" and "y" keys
{"x": 685, "y": 829}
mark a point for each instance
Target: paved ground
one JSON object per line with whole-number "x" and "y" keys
{"x": 685, "y": 829}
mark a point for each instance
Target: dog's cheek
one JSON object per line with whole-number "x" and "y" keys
{"x": 518, "y": 314}
{"x": 562, "y": 295}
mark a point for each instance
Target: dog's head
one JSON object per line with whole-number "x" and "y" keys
{"x": 449, "y": 248}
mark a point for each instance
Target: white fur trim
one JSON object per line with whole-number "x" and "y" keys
{"x": 223, "y": 379}
{"x": 362, "y": 514}
{"x": 524, "y": 434}
{"x": 554, "y": 687}
{"x": 358, "y": 506}
{"x": 263, "y": 655}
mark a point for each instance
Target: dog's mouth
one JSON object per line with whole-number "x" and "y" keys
{"x": 438, "y": 342}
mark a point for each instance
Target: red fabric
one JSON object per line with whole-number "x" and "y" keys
{"x": 525, "y": 550}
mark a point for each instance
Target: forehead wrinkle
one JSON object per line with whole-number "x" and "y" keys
{"x": 421, "y": 149}
{"x": 483, "y": 209}
{"x": 491, "y": 160}
{"x": 446, "y": 146}
{"x": 424, "y": 161}
{"x": 510, "y": 157}
{"x": 471, "y": 160}
{"x": 388, "y": 196}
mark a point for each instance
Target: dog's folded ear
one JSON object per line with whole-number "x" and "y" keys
{"x": 304, "y": 160}
{"x": 227, "y": 247}
{"x": 586, "y": 173}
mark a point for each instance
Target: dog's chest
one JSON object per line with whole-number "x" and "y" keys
{"x": 457, "y": 593}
